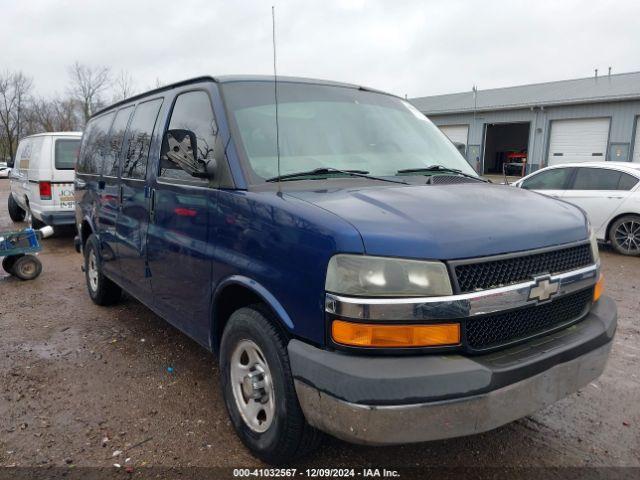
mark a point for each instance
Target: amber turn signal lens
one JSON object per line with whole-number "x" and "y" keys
{"x": 394, "y": 336}
{"x": 597, "y": 291}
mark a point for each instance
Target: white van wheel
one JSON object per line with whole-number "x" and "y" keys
{"x": 16, "y": 213}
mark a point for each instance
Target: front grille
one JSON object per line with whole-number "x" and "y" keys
{"x": 498, "y": 329}
{"x": 450, "y": 179}
{"x": 497, "y": 273}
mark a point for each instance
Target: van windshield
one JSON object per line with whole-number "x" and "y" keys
{"x": 66, "y": 153}
{"x": 335, "y": 127}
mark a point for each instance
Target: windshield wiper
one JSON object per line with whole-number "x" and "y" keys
{"x": 329, "y": 170}
{"x": 439, "y": 168}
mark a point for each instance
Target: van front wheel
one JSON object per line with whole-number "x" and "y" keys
{"x": 101, "y": 290}
{"x": 258, "y": 389}
{"x": 16, "y": 213}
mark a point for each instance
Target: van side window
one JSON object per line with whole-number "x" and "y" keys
{"x": 112, "y": 152}
{"x": 139, "y": 136}
{"x": 94, "y": 141}
{"x": 191, "y": 111}
{"x": 81, "y": 166}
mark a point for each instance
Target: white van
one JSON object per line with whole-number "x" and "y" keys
{"x": 42, "y": 179}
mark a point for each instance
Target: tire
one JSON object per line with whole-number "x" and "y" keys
{"x": 284, "y": 434}
{"x": 7, "y": 262}
{"x": 624, "y": 235}
{"x": 16, "y": 213}
{"x": 27, "y": 267}
{"x": 101, "y": 290}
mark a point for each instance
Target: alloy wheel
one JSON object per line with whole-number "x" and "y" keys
{"x": 627, "y": 236}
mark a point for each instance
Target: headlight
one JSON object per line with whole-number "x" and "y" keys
{"x": 594, "y": 245}
{"x": 386, "y": 277}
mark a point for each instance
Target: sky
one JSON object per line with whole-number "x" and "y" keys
{"x": 407, "y": 47}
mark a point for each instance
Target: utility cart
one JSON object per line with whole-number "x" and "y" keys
{"x": 19, "y": 249}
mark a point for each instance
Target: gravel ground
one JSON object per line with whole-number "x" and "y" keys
{"x": 82, "y": 385}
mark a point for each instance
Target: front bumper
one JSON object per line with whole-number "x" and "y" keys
{"x": 58, "y": 218}
{"x": 392, "y": 400}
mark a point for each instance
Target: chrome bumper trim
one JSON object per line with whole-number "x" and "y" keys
{"x": 457, "y": 306}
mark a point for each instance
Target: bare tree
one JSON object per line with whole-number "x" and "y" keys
{"x": 88, "y": 83}
{"x": 56, "y": 115}
{"x": 15, "y": 89}
{"x": 124, "y": 86}
{"x": 156, "y": 84}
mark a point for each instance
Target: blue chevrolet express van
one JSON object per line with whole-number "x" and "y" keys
{"x": 351, "y": 271}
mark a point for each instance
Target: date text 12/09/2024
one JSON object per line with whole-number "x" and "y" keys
{"x": 316, "y": 472}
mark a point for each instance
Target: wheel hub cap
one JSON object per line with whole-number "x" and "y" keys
{"x": 92, "y": 271}
{"x": 252, "y": 386}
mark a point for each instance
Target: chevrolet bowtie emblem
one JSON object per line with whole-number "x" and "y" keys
{"x": 544, "y": 289}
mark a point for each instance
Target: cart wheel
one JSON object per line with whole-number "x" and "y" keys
{"x": 8, "y": 262}
{"x": 27, "y": 267}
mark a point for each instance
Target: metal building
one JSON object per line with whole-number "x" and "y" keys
{"x": 581, "y": 120}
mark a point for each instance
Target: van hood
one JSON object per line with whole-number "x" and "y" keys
{"x": 451, "y": 221}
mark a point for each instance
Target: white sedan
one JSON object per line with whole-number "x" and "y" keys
{"x": 4, "y": 172}
{"x": 608, "y": 191}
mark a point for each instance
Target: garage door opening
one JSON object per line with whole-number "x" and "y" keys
{"x": 506, "y": 146}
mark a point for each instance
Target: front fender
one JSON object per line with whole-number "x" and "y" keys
{"x": 257, "y": 288}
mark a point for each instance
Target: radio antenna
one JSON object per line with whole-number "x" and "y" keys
{"x": 275, "y": 88}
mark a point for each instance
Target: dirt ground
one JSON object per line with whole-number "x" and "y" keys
{"x": 82, "y": 385}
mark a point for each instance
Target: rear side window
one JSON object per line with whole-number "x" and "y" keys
{"x": 191, "y": 111}
{"x": 554, "y": 179}
{"x": 600, "y": 179}
{"x": 94, "y": 142}
{"x": 66, "y": 153}
{"x": 112, "y": 153}
{"x": 627, "y": 182}
{"x": 139, "y": 136}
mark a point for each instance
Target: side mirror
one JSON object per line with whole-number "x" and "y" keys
{"x": 181, "y": 148}
{"x": 11, "y": 162}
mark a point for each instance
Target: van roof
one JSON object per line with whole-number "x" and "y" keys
{"x": 54, "y": 134}
{"x": 238, "y": 78}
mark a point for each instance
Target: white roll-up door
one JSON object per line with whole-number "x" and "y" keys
{"x": 456, "y": 133}
{"x": 580, "y": 140}
{"x": 636, "y": 143}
